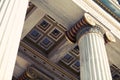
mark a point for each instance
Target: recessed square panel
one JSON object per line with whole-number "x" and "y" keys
{"x": 75, "y": 50}
{"x": 46, "y": 43}
{"x": 67, "y": 59}
{"x": 116, "y": 76}
{"x": 76, "y": 66}
{"x": 55, "y": 33}
{"x": 44, "y": 25}
{"x": 34, "y": 35}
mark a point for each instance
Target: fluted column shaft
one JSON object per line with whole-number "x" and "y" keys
{"x": 93, "y": 56}
{"x": 12, "y": 15}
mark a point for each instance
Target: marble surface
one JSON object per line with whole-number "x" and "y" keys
{"x": 68, "y": 13}
{"x": 65, "y": 12}
{"x": 113, "y": 51}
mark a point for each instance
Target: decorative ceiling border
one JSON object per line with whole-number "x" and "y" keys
{"x": 57, "y": 68}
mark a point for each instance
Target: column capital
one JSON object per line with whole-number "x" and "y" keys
{"x": 87, "y": 25}
{"x": 89, "y": 29}
{"x": 31, "y": 73}
{"x": 86, "y": 20}
{"x": 109, "y": 37}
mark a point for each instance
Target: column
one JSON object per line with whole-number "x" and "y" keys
{"x": 12, "y": 15}
{"x": 93, "y": 57}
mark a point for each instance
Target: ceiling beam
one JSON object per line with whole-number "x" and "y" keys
{"x": 65, "y": 12}
{"x": 32, "y": 20}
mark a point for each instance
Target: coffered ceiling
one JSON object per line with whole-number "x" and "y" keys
{"x": 43, "y": 36}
